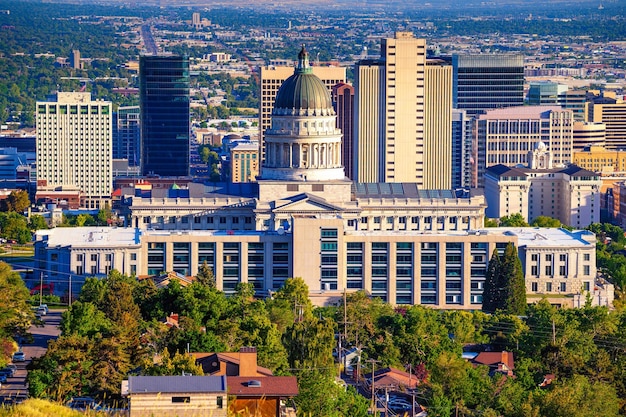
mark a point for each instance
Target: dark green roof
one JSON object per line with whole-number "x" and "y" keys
{"x": 303, "y": 90}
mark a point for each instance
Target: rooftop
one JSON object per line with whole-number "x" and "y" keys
{"x": 175, "y": 384}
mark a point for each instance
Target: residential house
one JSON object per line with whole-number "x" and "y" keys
{"x": 261, "y": 397}
{"x": 180, "y": 396}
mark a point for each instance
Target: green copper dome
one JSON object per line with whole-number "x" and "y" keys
{"x": 303, "y": 92}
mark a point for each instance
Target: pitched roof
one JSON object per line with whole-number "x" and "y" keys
{"x": 175, "y": 384}
{"x": 270, "y": 386}
{"x": 232, "y": 357}
{"x": 493, "y": 359}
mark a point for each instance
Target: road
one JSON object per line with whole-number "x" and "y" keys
{"x": 15, "y": 388}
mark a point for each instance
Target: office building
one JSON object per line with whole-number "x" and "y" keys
{"x": 244, "y": 162}
{"x": 588, "y": 134}
{"x": 164, "y": 102}
{"x": 127, "y": 134}
{"x": 601, "y": 160}
{"x": 74, "y": 147}
{"x": 612, "y": 113}
{"x": 543, "y": 93}
{"x": 403, "y": 109}
{"x": 505, "y": 136}
{"x": 343, "y": 102}
{"x": 487, "y": 81}
{"x": 272, "y": 78}
{"x": 462, "y": 149}
{"x": 369, "y": 122}
{"x": 570, "y": 194}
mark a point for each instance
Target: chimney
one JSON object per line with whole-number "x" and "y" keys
{"x": 247, "y": 361}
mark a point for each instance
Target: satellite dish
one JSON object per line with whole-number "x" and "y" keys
{"x": 281, "y": 231}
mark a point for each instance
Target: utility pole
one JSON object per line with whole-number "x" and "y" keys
{"x": 373, "y": 404}
{"x": 41, "y": 288}
{"x": 70, "y": 292}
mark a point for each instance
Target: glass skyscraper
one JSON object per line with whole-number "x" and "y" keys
{"x": 487, "y": 81}
{"x": 164, "y": 102}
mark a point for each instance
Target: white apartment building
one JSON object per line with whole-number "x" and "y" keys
{"x": 74, "y": 147}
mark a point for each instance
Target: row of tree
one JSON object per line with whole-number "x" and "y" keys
{"x": 116, "y": 328}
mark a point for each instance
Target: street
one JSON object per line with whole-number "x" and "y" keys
{"x": 14, "y": 389}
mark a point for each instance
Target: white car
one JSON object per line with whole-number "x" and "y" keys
{"x": 19, "y": 356}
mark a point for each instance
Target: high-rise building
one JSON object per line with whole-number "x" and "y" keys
{"x": 369, "y": 121}
{"x": 343, "y": 101}
{"x": 164, "y": 102}
{"x": 543, "y": 93}
{"x": 244, "y": 162}
{"x": 611, "y": 112}
{"x": 505, "y": 136}
{"x": 462, "y": 151}
{"x": 195, "y": 20}
{"x": 75, "y": 59}
{"x": 488, "y": 81}
{"x": 403, "y": 116}
{"x": 586, "y": 134}
{"x": 272, "y": 78}
{"x": 74, "y": 138}
{"x": 126, "y": 134}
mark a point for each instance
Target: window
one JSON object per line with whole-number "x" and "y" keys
{"x": 563, "y": 287}
{"x": 548, "y": 270}
{"x": 549, "y": 257}
{"x": 586, "y": 269}
{"x": 563, "y": 257}
{"x": 586, "y": 286}
{"x": 181, "y": 399}
{"x": 533, "y": 287}
{"x": 548, "y": 286}
{"x": 587, "y": 257}
{"x": 133, "y": 256}
{"x": 94, "y": 257}
{"x": 220, "y": 401}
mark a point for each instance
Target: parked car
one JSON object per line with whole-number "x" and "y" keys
{"x": 42, "y": 310}
{"x": 3, "y": 378}
{"x": 9, "y": 373}
{"x": 19, "y": 356}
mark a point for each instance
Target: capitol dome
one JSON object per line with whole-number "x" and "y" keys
{"x": 303, "y": 93}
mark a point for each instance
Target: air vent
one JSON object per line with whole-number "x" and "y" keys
{"x": 254, "y": 383}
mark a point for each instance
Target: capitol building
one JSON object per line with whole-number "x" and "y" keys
{"x": 304, "y": 218}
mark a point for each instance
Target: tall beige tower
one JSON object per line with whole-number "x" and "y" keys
{"x": 437, "y": 171}
{"x": 74, "y": 146}
{"x": 272, "y": 77}
{"x": 369, "y": 121}
{"x": 403, "y": 116}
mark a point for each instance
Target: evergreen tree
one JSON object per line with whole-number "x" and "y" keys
{"x": 205, "y": 275}
{"x": 513, "y": 298}
{"x": 491, "y": 289}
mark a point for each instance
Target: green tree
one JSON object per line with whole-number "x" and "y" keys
{"x": 578, "y": 397}
{"x": 545, "y": 221}
{"x": 514, "y": 220}
{"x": 512, "y": 284}
{"x": 15, "y": 312}
{"x": 84, "y": 319}
{"x": 37, "y": 222}
{"x": 491, "y": 291}
{"x": 174, "y": 364}
{"x": 17, "y": 201}
{"x": 205, "y": 275}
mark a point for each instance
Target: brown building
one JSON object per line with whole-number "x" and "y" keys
{"x": 261, "y": 397}
{"x": 343, "y": 101}
{"x": 242, "y": 363}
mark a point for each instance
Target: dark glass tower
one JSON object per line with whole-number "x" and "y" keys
{"x": 164, "y": 102}
{"x": 487, "y": 81}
